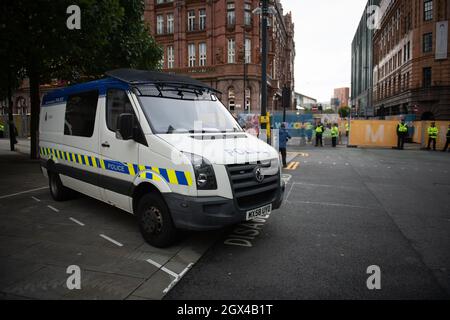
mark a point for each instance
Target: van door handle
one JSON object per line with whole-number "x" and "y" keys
{"x": 105, "y": 145}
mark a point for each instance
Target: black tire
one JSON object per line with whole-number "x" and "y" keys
{"x": 57, "y": 190}
{"x": 155, "y": 221}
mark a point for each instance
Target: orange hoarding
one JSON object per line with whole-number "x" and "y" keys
{"x": 442, "y": 137}
{"x": 373, "y": 133}
{"x": 383, "y": 133}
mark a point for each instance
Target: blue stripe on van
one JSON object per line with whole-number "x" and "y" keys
{"x": 181, "y": 178}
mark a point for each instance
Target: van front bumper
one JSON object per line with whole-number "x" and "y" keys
{"x": 210, "y": 213}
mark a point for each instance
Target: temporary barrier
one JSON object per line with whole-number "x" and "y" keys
{"x": 373, "y": 133}
{"x": 442, "y": 137}
{"x": 383, "y": 133}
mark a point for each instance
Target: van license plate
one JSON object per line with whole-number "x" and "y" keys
{"x": 260, "y": 212}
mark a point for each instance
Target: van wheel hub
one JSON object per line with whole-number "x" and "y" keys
{"x": 152, "y": 220}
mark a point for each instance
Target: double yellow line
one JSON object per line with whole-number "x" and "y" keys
{"x": 293, "y": 166}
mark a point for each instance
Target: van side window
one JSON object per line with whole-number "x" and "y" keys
{"x": 117, "y": 103}
{"x": 80, "y": 114}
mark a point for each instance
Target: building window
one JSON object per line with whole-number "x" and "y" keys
{"x": 231, "y": 15}
{"x": 80, "y": 114}
{"x": 159, "y": 24}
{"x": 170, "y": 57}
{"x": 248, "y": 99}
{"x": 231, "y": 50}
{"x": 191, "y": 20}
{"x": 427, "y": 77}
{"x": 408, "y": 50}
{"x": 202, "y": 19}
{"x": 170, "y": 23}
{"x": 428, "y": 10}
{"x": 202, "y": 54}
{"x": 427, "y": 42}
{"x": 191, "y": 50}
{"x": 248, "y": 14}
{"x": 231, "y": 99}
{"x": 248, "y": 51}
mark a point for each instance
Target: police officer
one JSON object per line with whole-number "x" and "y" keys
{"x": 448, "y": 139}
{"x": 319, "y": 134}
{"x": 284, "y": 137}
{"x": 347, "y": 129}
{"x": 402, "y": 132}
{"x": 433, "y": 133}
{"x": 2, "y": 130}
{"x": 334, "y": 134}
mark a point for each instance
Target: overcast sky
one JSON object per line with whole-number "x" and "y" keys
{"x": 324, "y": 31}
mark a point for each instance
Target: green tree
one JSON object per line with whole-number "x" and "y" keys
{"x": 34, "y": 34}
{"x": 344, "y": 112}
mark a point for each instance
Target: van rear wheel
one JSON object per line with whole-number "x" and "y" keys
{"x": 57, "y": 190}
{"x": 155, "y": 222}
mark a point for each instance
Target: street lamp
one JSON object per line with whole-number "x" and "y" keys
{"x": 264, "y": 11}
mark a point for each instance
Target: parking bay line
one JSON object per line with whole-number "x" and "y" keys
{"x": 36, "y": 199}
{"x": 22, "y": 192}
{"x": 111, "y": 240}
{"x": 52, "y": 208}
{"x": 176, "y": 276}
{"x": 77, "y": 222}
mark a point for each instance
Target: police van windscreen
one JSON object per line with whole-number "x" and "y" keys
{"x": 172, "y": 116}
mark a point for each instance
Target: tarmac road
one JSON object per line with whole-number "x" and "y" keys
{"x": 346, "y": 210}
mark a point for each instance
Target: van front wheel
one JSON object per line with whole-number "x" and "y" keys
{"x": 155, "y": 222}
{"x": 57, "y": 190}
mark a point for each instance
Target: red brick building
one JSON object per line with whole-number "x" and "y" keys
{"x": 343, "y": 96}
{"x": 411, "y": 61}
{"x": 218, "y": 42}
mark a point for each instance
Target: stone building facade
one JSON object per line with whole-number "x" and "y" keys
{"x": 219, "y": 43}
{"x": 411, "y": 61}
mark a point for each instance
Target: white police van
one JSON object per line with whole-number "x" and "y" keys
{"x": 160, "y": 146}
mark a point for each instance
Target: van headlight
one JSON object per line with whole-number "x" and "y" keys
{"x": 204, "y": 172}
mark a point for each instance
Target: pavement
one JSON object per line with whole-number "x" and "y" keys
{"x": 40, "y": 239}
{"x": 345, "y": 210}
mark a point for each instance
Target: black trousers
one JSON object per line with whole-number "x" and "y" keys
{"x": 319, "y": 140}
{"x": 334, "y": 141}
{"x": 283, "y": 156}
{"x": 432, "y": 141}
{"x": 401, "y": 142}
{"x": 446, "y": 145}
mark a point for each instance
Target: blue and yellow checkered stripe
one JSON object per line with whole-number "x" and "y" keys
{"x": 171, "y": 176}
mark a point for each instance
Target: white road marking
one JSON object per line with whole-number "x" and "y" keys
{"x": 159, "y": 266}
{"x": 290, "y": 190}
{"x": 178, "y": 278}
{"x": 77, "y": 222}
{"x": 19, "y": 193}
{"x": 334, "y": 204}
{"x": 53, "y": 208}
{"x": 111, "y": 240}
{"x": 36, "y": 199}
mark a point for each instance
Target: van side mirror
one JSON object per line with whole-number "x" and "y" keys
{"x": 125, "y": 125}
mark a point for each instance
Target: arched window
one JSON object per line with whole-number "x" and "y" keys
{"x": 231, "y": 99}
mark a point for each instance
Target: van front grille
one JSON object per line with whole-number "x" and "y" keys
{"x": 248, "y": 192}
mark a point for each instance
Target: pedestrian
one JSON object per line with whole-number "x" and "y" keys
{"x": 433, "y": 133}
{"x": 309, "y": 132}
{"x": 2, "y": 130}
{"x": 334, "y": 134}
{"x": 347, "y": 129}
{"x": 448, "y": 139}
{"x": 402, "y": 132}
{"x": 284, "y": 137}
{"x": 319, "y": 134}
